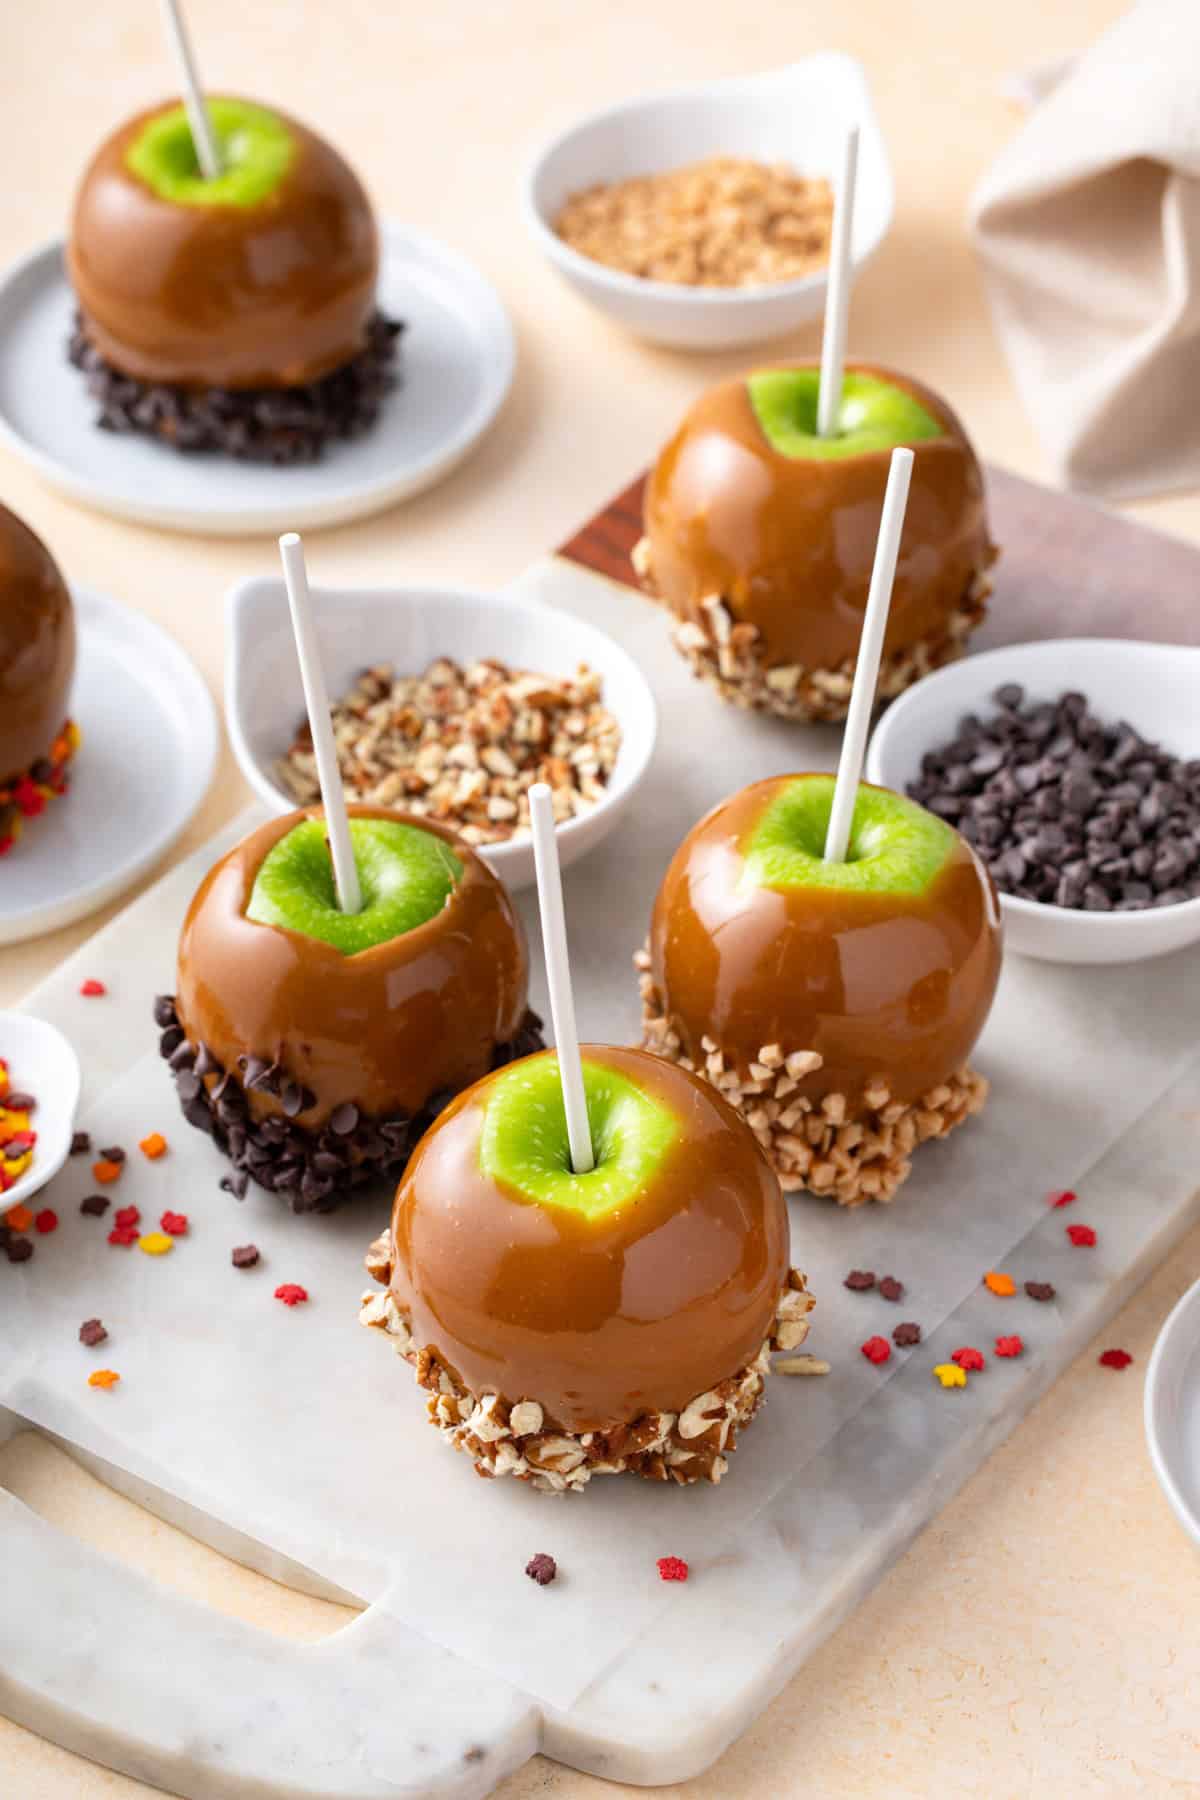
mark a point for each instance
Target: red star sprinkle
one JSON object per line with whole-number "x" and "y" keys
{"x": 876, "y": 1349}
{"x": 123, "y": 1235}
{"x": 126, "y": 1216}
{"x": 92, "y": 989}
{"x": 969, "y": 1358}
{"x": 1082, "y": 1236}
{"x": 174, "y": 1224}
{"x": 672, "y": 1568}
{"x": 1063, "y": 1197}
{"x": 1009, "y": 1346}
{"x": 1114, "y": 1359}
{"x": 291, "y": 1293}
{"x": 46, "y": 1220}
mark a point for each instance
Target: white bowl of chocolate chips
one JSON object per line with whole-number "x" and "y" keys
{"x": 1073, "y": 766}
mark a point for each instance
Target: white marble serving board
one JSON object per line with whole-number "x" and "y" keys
{"x": 295, "y": 1442}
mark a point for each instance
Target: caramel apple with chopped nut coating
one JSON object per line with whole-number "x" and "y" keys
{"x": 569, "y": 1325}
{"x": 836, "y": 1005}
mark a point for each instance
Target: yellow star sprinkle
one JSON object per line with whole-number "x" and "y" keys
{"x": 156, "y": 1243}
{"x": 950, "y": 1375}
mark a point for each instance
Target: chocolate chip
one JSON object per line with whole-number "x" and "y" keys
{"x": 245, "y": 1256}
{"x": 890, "y": 1288}
{"x": 906, "y": 1335}
{"x": 94, "y": 1207}
{"x": 542, "y": 1569}
{"x": 291, "y": 1098}
{"x": 1039, "y": 1290}
{"x": 164, "y": 1011}
{"x": 343, "y": 1118}
{"x": 170, "y": 1041}
{"x": 91, "y": 1333}
{"x": 81, "y": 1143}
{"x": 859, "y": 1280}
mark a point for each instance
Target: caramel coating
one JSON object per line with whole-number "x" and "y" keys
{"x": 788, "y": 543}
{"x": 891, "y": 985}
{"x": 37, "y": 647}
{"x": 269, "y": 295}
{"x": 599, "y": 1320}
{"x": 384, "y": 1029}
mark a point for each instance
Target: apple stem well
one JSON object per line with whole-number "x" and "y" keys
{"x": 316, "y": 700}
{"x": 837, "y": 293}
{"x": 558, "y": 976}
{"x": 870, "y": 649}
{"x": 204, "y": 138}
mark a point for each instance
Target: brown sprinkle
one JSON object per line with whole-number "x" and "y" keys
{"x": 1040, "y": 1290}
{"x": 94, "y": 1207}
{"x": 890, "y": 1288}
{"x": 860, "y": 1281}
{"x": 542, "y": 1569}
{"x": 81, "y": 1143}
{"x": 906, "y": 1335}
{"x": 114, "y": 1154}
{"x": 245, "y": 1256}
{"x": 91, "y": 1333}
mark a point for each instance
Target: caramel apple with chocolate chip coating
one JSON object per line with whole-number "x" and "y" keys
{"x": 835, "y": 1004}
{"x": 37, "y": 665}
{"x": 315, "y": 1046}
{"x": 568, "y": 1325}
{"x": 760, "y": 535}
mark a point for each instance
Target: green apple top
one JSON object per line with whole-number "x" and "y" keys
{"x": 263, "y": 277}
{"x": 748, "y": 504}
{"x": 632, "y": 1288}
{"x": 885, "y": 964}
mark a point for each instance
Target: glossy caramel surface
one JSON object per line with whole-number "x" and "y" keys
{"x": 598, "y": 1320}
{"x": 889, "y": 985}
{"x": 269, "y": 295}
{"x": 37, "y": 647}
{"x": 788, "y": 542}
{"x": 384, "y": 1029}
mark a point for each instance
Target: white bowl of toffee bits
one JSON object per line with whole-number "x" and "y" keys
{"x": 702, "y": 218}
{"x": 448, "y": 704}
{"x": 1073, "y": 766}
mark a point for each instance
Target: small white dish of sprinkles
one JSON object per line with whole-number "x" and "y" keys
{"x": 1172, "y": 1411}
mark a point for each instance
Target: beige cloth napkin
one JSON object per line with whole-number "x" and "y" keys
{"x": 1088, "y": 229}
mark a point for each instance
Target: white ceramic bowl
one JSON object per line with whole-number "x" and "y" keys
{"x": 1153, "y": 686}
{"x": 42, "y": 1063}
{"x": 1172, "y": 1410}
{"x": 798, "y": 115}
{"x": 410, "y": 627}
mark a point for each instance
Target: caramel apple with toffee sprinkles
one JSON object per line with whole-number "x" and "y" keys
{"x": 760, "y": 533}
{"x": 568, "y": 1325}
{"x": 235, "y": 313}
{"x": 37, "y": 665}
{"x": 834, "y": 1004}
{"x": 315, "y": 1046}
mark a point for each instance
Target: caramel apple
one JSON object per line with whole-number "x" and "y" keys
{"x": 569, "y": 1325}
{"x": 37, "y": 664}
{"x": 835, "y": 1005}
{"x": 237, "y": 312}
{"x": 760, "y": 534}
{"x": 314, "y": 1046}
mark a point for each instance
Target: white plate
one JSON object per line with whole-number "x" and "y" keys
{"x": 43, "y": 1064}
{"x": 410, "y": 627}
{"x": 457, "y": 360}
{"x": 1153, "y": 686}
{"x": 798, "y": 115}
{"x": 148, "y": 752}
{"x": 1172, "y": 1410}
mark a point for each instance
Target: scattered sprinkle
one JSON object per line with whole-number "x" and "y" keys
{"x": 245, "y": 1256}
{"x": 542, "y": 1569}
{"x": 46, "y": 1220}
{"x": 95, "y": 1206}
{"x": 968, "y": 1357}
{"x": 91, "y": 1333}
{"x": 950, "y": 1375}
{"x": 860, "y": 1281}
{"x": 81, "y": 1143}
{"x": 127, "y": 1215}
{"x": 1009, "y": 1346}
{"x": 876, "y": 1349}
{"x": 1062, "y": 1197}
{"x": 91, "y": 989}
{"x": 103, "y": 1378}
{"x": 291, "y": 1293}
{"x": 123, "y": 1235}
{"x": 906, "y": 1335}
{"x": 174, "y": 1224}
{"x": 105, "y": 1171}
{"x": 18, "y": 1249}
{"x": 801, "y": 1364}
{"x": 1082, "y": 1236}
{"x": 19, "y": 1218}
{"x": 156, "y": 1243}
{"x": 1040, "y": 1290}
{"x": 1114, "y": 1359}
{"x": 1004, "y": 1285}
{"x": 153, "y": 1146}
{"x": 113, "y": 1153}
{"x": 890, "y": 1288}
{"x": 672, "y": 1568}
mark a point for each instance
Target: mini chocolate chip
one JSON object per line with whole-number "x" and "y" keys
{"x": 291, "y": 1098}
{"x": 94, "y": 1207}
{"x": 245, "y": 1256}
{"x": 164, "y": 1011}
{"x": 170, "y": 1040}
{"x": 81, "y": 1143}
{"x": 344, "y": 1118}
{"x": 91, "y": 1333}
{"x": 236, "y": 1184}
{"x": 182, "y": 1058}
{"x": 1039, "y": 1290}
{"x": 859, "y": 1280}
{"x": 890, "y": 1288}
{"x": 906, "y": 1335}
{"x": 187, "y": 1084}
{"x": 206, "y": 1062}
{"x": 542, "y": 1569}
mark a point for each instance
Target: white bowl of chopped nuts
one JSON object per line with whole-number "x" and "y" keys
{"x": 447, "y": 704}
{"x": 710, "y": 206}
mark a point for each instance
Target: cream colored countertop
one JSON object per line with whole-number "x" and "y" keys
{"x": 1040, "y": 1639}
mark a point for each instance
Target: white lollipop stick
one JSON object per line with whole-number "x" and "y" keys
{"x": 558, "y": 975}
{"x": 316, "y": 699}
{"x": 837, "y": 293}
{"x": 870, "y": 649}
{"x": 203, "y": 135}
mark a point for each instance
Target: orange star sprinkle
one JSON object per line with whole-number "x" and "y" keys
{"x": 153, "y": 1146}
{"x": 103, "y": 1378}
{"x": 19, "y": 1218}
{"x": 1004, "y": 1285}
{"x": 106, "y": 1171}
